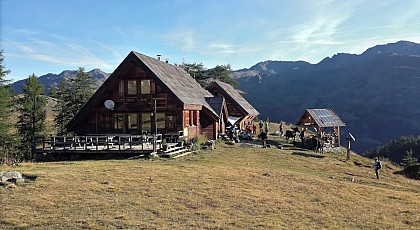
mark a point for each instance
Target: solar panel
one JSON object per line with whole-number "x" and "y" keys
{"x": 325, "y": 116}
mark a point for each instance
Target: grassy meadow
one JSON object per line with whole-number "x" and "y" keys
{"x": 231, "y": 187}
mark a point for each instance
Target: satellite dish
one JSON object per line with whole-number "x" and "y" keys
{"x": 109, "y": 104}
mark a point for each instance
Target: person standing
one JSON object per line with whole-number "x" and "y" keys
{"x": 302, "y": 136}
{"x": 281, "y": 129}
{"x": 267, "y": 125}
{"x": 263, "y": 136}
{"x": 377, "y": 165}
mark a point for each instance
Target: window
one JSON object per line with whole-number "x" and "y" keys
{"x": 132, "y": 87}
{"x": 146, "y": 123}
{"x": 132, "y": 120}
{"x": 118, "y": 121}
{"x": 121, "y": 88}
{"x": 145, "y": 86}
{"x": 171, "y": 122}
{"x": 160, "y": 120}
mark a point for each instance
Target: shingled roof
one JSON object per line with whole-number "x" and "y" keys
{"x": 233, "y": 95}
{"x": 178, "y": 81}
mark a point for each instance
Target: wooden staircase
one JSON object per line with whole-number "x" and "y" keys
{"x": 173, "y": 151}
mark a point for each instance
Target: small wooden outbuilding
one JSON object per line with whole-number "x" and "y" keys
{"x": 321, "y": 120}
{"x": 240, "y": 111}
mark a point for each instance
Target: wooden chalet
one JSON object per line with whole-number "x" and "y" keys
{"x": 321, "y": 120}
{"x": 145, "y": 96}
{"x": 240, "y": 110}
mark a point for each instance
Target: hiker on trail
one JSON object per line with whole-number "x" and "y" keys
{"x": 377, "y": 165}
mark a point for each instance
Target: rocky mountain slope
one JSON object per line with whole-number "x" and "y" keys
{"x": 376, "y": 93}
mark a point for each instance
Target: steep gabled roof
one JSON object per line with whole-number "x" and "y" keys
{"x": 179, "y": 83}
{"x": 234, "y": 97}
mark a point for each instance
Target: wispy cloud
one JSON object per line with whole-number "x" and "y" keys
{"x": 56, "y": 50}
{"x": 326, "y": 20}
{"x": 184, "y": 38}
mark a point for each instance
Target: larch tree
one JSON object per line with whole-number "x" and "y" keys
{"x": 197, "y": 72}
{"x": 32, "y": 114}
{"x": 7, "y": 106}
{"x": 71, "y": 95}
{"x": 204, "y": 76}
{"x": 221, "y": 73}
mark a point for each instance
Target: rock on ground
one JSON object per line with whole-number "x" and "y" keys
{"x": 11, "y": 176}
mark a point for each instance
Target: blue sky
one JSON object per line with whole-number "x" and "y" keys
{"x": 40, "y": 36}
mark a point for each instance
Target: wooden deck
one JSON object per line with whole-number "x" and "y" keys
{"x": 95, "y": 144}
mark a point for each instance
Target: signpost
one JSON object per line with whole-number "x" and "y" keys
{"x": 349, "y": 139}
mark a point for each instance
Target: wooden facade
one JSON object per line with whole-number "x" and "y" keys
{"x": 236, "y": 105}
{"x": 146, "y": 96}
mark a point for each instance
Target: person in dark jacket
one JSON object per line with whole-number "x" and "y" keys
{"x": 377, "y": 165}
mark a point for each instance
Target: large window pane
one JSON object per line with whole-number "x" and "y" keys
{"x": 146, "y": 123}
{"x": 132, "y": 87}
{"x": 121, "y": 88}
{"x": 132, "y": 120}
{"x": 118, "y": 121}
{"x": 145, "y": 86}
{"x": 160, "y": 120}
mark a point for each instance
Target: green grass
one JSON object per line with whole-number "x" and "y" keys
{"x": 227, "y": 188}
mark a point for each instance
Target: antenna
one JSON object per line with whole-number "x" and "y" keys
{"x": 109, "y": 104}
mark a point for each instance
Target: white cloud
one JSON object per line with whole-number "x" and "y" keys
{"x": 55, "y": 50}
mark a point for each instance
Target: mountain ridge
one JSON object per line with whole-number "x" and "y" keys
{"x": 50, "y": 79}
{"x": 373, "y": 92}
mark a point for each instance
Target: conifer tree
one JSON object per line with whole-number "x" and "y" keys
{"x": 204, "y": 76}
{"x": 221, "y": 73}
{"x": 196, "y": 71}
{"x": 62, "y": 93}
{"x": 71, "y": 95}
{"x": 32, "y": 114}
{"x": 6, "y": 105}
{"x": 409, "y": 159}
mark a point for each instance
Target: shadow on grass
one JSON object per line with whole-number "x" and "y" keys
{"x": 307, "y": 155}
{"x": 361, "y": 165}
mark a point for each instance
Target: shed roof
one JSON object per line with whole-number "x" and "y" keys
{"x": 324, "y": 118}
{"x": 234, "y": 96}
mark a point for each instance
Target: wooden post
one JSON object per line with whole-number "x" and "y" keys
{"x": 154, "y": 153}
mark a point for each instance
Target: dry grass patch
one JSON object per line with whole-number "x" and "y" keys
{"x": 228, "y": 188}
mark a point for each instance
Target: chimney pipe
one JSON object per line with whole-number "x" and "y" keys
{"x": 158, "y": 56}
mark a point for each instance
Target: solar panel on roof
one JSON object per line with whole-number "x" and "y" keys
{"x": 325, "y": 116}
